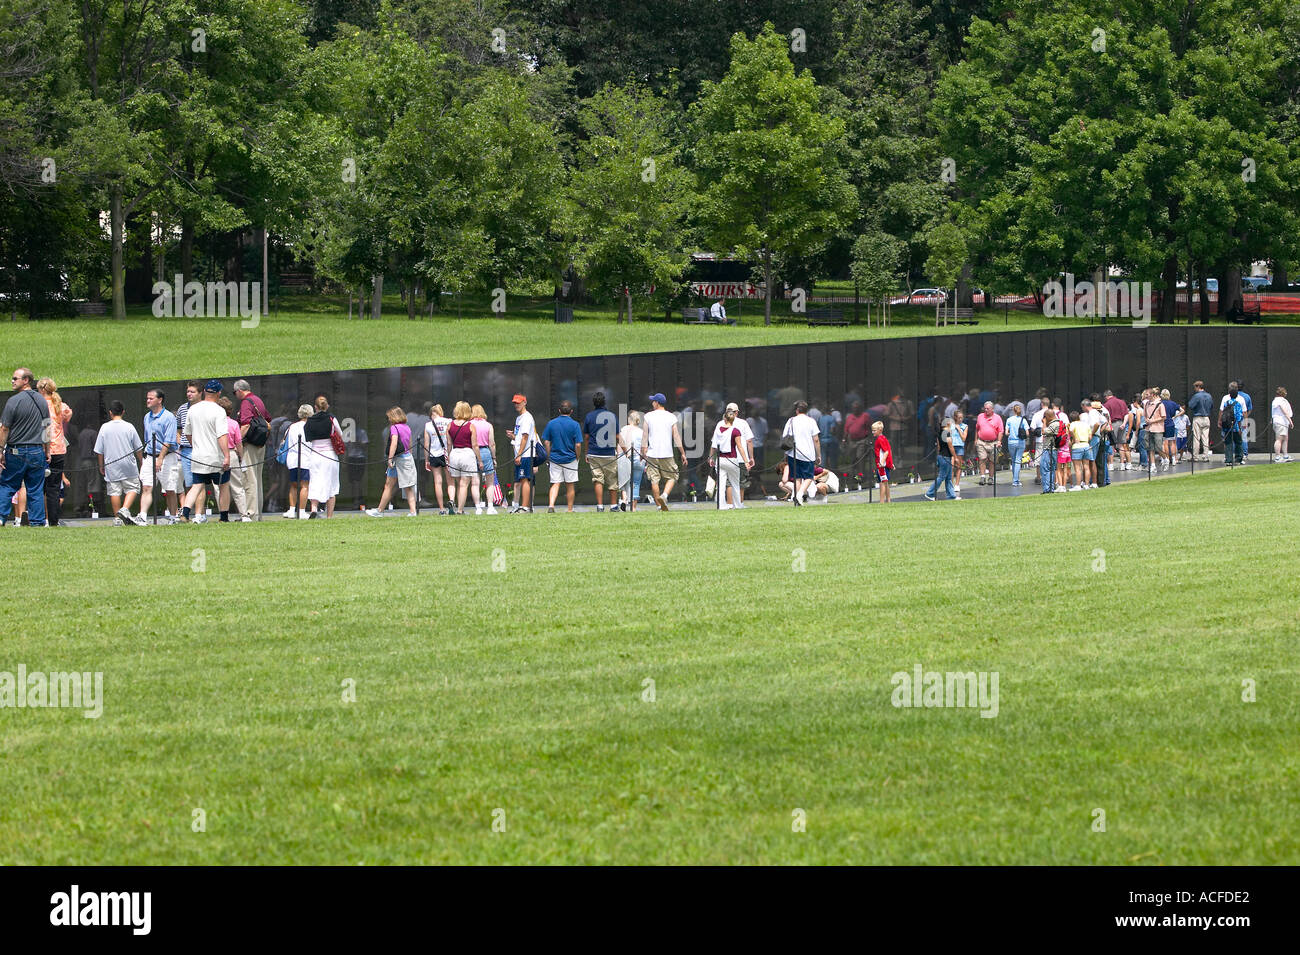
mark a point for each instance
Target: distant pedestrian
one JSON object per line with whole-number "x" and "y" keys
{"x": 522, "y": 436}
{"x": 802, "y": 443}
{"x": 1232, "y": 411}
{"x": 1200, "y": 406}
{"x": 207, "y": 427}
{"x": 487, "y": 456}
{"x": 436, "y": 452}
{"x": 297, "y": 452}
{"x": 162, "y": 461}
{"x": 1017, "y": 436}
{"x": 1283, "y": 422}
{"x": 1245, "y": 429}
{"x": 400, "y": 473}
{"x": 663, "y": 438}
{"x": 1051, "y": 429}
{"x": 943, "y": 463}
{"x": 324, "y": 439}
{"x": 24, "y": 434}
{"x": 960, "y": 431}
{"x": 236, "y": 444}
{"x": 463, "y": 465}
{"x": 989, "y": 430}
{"x": 254, "y": 432}
{"x": 193, "y": 395}
{"x": 883, "y": 460}
{"x": 120, "y": 451}
{"x": 600, "y": 429}
{"x": 60, "y": 415}
{"x": 727, "y": 455}
{"x": 563, "y": 439}
{"x": 1170, "y": 446}
{"x": 1153, "y": 412}
{"x": 857, "y": 437}
{"x": 631, "y": 460}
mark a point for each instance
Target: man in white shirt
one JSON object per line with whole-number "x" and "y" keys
{"x": 523, "y": 437}
{"x": 806, "y": 452}
{"x": 718, "y": 312}
{"x": 746, "y": 436}
{"x": 206, "y": 427}
{"x": 1036, "y": 424}
{"x": 661, "y": 436}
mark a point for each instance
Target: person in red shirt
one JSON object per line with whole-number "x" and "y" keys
{"x": 988, "y": 437}
{"x": 884, "y": 458}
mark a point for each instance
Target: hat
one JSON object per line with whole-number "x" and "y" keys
{"x": 732, "y": 406}
{"x": 213, "y": 386}
{"x": 659, "y": 397}
{"x": 1096, "y": 404}
{"x": 518, "y": 398}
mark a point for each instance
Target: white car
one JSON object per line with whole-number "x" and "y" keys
{"x": 922, "y": 296}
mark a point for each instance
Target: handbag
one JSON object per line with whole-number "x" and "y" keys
{"x": 282, "y": 452}
{"x": 336, "y": 439}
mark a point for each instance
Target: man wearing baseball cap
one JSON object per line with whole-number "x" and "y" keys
{"x": 661, "y": 436}
{"x": 728, "y": 452}
{"x": 207, "y": 428}
{"x": 522, "y": 436}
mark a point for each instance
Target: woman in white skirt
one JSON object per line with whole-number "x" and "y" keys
{"x": 322, "y": 459}
{"x": 463, "y": 465}
{"x": 401, "y": 463}
{"x": 1283, "y": 422}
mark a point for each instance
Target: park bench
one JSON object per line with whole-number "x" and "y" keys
{"x": 90, "y": 308}
{"x": 701, "y": 316}
{"x": 965, "y": 316}
{"x": 826, "y": 316}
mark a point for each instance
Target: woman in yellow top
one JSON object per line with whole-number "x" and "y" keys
{"x": 1080, "y": 439}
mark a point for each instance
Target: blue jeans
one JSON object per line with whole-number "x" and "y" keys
{"x": 638, "y": 472}
{"x": 943, "y": 476}
{"x": 1015, "y": 448}
{"x": 1231, "y": 447}
{"x": 1142, "y": 448}
{"x": 24, "y": 467}
{"x": 1047, "y": 469}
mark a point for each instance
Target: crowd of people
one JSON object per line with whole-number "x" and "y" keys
{"x": 214, "y": 448}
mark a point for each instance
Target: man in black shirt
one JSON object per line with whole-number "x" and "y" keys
{"x": 943, "y": 460}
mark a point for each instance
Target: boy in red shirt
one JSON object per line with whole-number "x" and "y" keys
{"x": 884, "y": 456}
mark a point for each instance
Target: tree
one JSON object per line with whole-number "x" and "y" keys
{"x": 947, "y": 255}
{"x": 876, "y": 257}
{"x": 769, "y": 156}
{"x": 629, "y": 194}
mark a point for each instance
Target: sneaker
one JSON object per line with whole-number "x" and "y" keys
{"x": 478, "y": 508}
{"x": 957, "y": 496}
{"x": 312, "y": 515}
{"x": 291, "y": 513}
{"x": 117, "y": 522}
{"x": 200, "y": 518}
{"x": 1058, "y": 490}
{"x": 796, "y": 500}
{"x": 550, "y": 510}
{"x": 372, "y": 512}
{"x": 1093, "y": 484}
{"x": 1286, "y": 457}
{"x": 140, "y": 521}
{"x": 245, "y": 519}
{"x": 124, "y": 519}
{"x": 491, "y": 509}
{"x": 412, "y": 514}
{"x": 1015, "y": 484}
{"x": 928, "y": 496}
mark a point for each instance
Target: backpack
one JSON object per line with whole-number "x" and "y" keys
{"x": 1228, "y": 416}
{"x": 1023, "y": 434}
{"x": 258, "y": 432}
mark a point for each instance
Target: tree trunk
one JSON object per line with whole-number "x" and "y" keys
{"x": 116, "y": 227}
{"x": 1169, "y": 300}
{"x": 964, "y": 295}
{"x": 138, "y": 281}
{"x": 377, "y": 295}
{"x": 767, "y": 289}
{"x": 628, "y": 291}
{"x": 1279, "y": 282}
{"x": 410, "y": 301}
{"x": 1230, "y": 289}
{"x": 1203, "y": 296}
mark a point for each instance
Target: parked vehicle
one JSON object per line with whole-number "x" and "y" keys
{"x": 921, "y": 296}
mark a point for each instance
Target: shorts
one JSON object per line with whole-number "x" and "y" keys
{"x": 566, "y": 473}
{"x": 298, "y": 475}
{"x": 437, "y": 460}
{"x": 403, "y": 469}
{"x": 211, "y": 478}
{"x": 1090, "y": 453}
{"x": 800, "y": 470}
{"x": 1079, "y": 454}
{"x": 1280, "y": 428}
{"x": 463, "y": 463}
{"x": 169, "y": 471}
{"x": 983, "y": 449}
{"x": 1169, "y": 433}
{"x": 187, "y": 453}
{"x": 122, "y": 488}
{"x": 883, "y": 474}
{"x": 604, "y": 469}
{"x": 524, "y": 469}
{"x": 485, "y": 458}
{"x": 959, "y": 450}
{"x": 661, "y": 470}
{"x": 1062, "y": 457}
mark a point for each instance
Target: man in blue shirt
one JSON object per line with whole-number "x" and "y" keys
{"x": 1230, "y": 424}
{"x": 161, "y": 460}
{"x": 563, "y": 438}
{"x": 601, "y": 431}
{"x": 1199, "y": 408}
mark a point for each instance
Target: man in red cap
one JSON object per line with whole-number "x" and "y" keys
{"x": 522, "y": 436}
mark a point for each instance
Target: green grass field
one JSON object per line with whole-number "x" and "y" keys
{"x": 315, "y": 334}
{"x": 522, "y": 690}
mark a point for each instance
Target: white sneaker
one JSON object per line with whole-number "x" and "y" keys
{"x": 956, "y": 495}
{"x": 491, "y": 509}
{"x": 1058, "y": 490}
{"x": 1286, "y": 457}
{"x": 372, "y": 512}
{"x": 245, "y": 519}
{"x": 306, "y": 515}
{"x": 200, "y": 518}
{"x": 1094, "y": 484}
{"x": 290, "y": 513}
{"x": 412, "y": 514}
{"x": 117, "y": 522}
{"x": 140, "y": 521}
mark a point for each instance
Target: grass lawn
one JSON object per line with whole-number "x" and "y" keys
{"x": 314, "y": 334}
{"x": 522, "y": 690}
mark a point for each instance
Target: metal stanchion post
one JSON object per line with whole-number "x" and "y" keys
{"x": 297, "y": 507}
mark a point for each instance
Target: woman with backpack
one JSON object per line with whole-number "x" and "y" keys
{"x": 436, "y": 452}
{"x": 1017, "y": 435}
{"x": 401, "y": 462}
{"x": 324, "y": 448}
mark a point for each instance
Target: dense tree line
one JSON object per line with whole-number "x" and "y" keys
{"x": 464, "y": 145}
